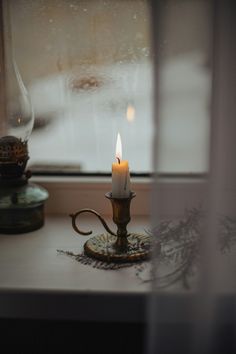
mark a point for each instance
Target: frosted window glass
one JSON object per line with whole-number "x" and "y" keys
{"x": 89, "y": 70}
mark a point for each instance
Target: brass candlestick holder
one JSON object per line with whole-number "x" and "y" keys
{"x": 115, "y": 247}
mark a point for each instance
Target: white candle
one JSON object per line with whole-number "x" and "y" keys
{"x": 120, "y": 174}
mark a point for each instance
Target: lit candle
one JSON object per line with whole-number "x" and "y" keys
{"x": 120, "y": 174}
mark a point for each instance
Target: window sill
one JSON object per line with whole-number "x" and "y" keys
{"x": 38, "y": 283}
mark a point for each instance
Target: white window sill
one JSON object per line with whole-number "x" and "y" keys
{"x": 38, "y": 283}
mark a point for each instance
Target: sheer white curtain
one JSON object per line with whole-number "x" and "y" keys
{"x": 193, "y": 310}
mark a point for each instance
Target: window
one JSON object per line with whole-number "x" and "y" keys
{"x": 89, "y": 70}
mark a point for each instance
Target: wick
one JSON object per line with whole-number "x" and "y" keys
{"x": 118, "y": 159}
{"x": 126, "y": 180}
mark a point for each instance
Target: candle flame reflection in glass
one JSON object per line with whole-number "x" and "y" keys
{"x": 118, "y": 148}
{"x": 130, "y": 113}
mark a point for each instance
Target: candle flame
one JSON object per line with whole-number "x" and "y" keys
{"x": 118, "y": 148}
{"x": 130, "y": 113}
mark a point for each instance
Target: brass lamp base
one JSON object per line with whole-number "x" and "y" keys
{"x": 115, "y": 247}
{"x": 21, "y": 203}
{"x": 103, "y": 247}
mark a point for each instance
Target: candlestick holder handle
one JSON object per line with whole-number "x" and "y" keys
{"x": 115, "y": 247}
{"x": 86, "y": 233}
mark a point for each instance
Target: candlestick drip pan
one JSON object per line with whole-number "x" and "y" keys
{"x": 103, "y": 247}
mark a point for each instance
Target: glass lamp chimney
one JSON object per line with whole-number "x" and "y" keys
{"x": 19, "y": 119}
{"x": 16, "y": 111}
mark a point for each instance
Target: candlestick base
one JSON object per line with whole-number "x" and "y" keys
{"x": 119, "y": 246}
{"x": 104, "y": 248}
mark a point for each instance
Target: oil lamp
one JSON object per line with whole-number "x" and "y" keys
{"x": 21, "y": 202}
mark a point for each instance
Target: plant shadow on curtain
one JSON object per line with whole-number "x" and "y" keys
{"x": 192, "y": 305}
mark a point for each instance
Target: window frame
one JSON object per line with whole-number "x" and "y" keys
{"x": 69, "y": 192}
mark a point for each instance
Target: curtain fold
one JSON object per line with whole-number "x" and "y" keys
{"x": 192, "y": 304}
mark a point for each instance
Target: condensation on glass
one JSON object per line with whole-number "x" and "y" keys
{"x": 88, "y": 68}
